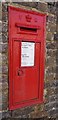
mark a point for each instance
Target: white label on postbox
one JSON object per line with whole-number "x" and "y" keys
{"x": 27, "y": 53}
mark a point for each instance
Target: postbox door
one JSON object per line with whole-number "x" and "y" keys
{"x": 26, "y": 58}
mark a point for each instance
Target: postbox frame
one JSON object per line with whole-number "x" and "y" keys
{"x": 42, "y": 61}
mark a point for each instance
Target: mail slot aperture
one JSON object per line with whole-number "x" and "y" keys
{"x": 27, "y": 29}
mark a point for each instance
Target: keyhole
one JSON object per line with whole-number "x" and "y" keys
{"x": 18, "y": 73}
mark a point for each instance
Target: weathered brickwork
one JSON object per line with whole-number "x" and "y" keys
{"x": 50, "y": 107}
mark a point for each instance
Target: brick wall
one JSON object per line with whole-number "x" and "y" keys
{"x": 49, "y": 108}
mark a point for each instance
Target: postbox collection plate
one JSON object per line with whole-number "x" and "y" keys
{"x": 26, "y": 57}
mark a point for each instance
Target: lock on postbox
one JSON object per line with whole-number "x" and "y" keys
{"x": 26, "y": 57}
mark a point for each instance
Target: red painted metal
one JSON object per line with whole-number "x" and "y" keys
{"x": 26, "y": 84}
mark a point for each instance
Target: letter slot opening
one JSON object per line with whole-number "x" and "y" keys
{"x": 26, "y": 29}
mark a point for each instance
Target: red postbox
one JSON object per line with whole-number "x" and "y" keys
{"x": 26, "y": 57}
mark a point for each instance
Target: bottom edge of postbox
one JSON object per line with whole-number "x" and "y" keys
{"x": 18, "y": 106}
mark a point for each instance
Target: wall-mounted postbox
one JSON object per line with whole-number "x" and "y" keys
{"x": 26, "y": 57}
